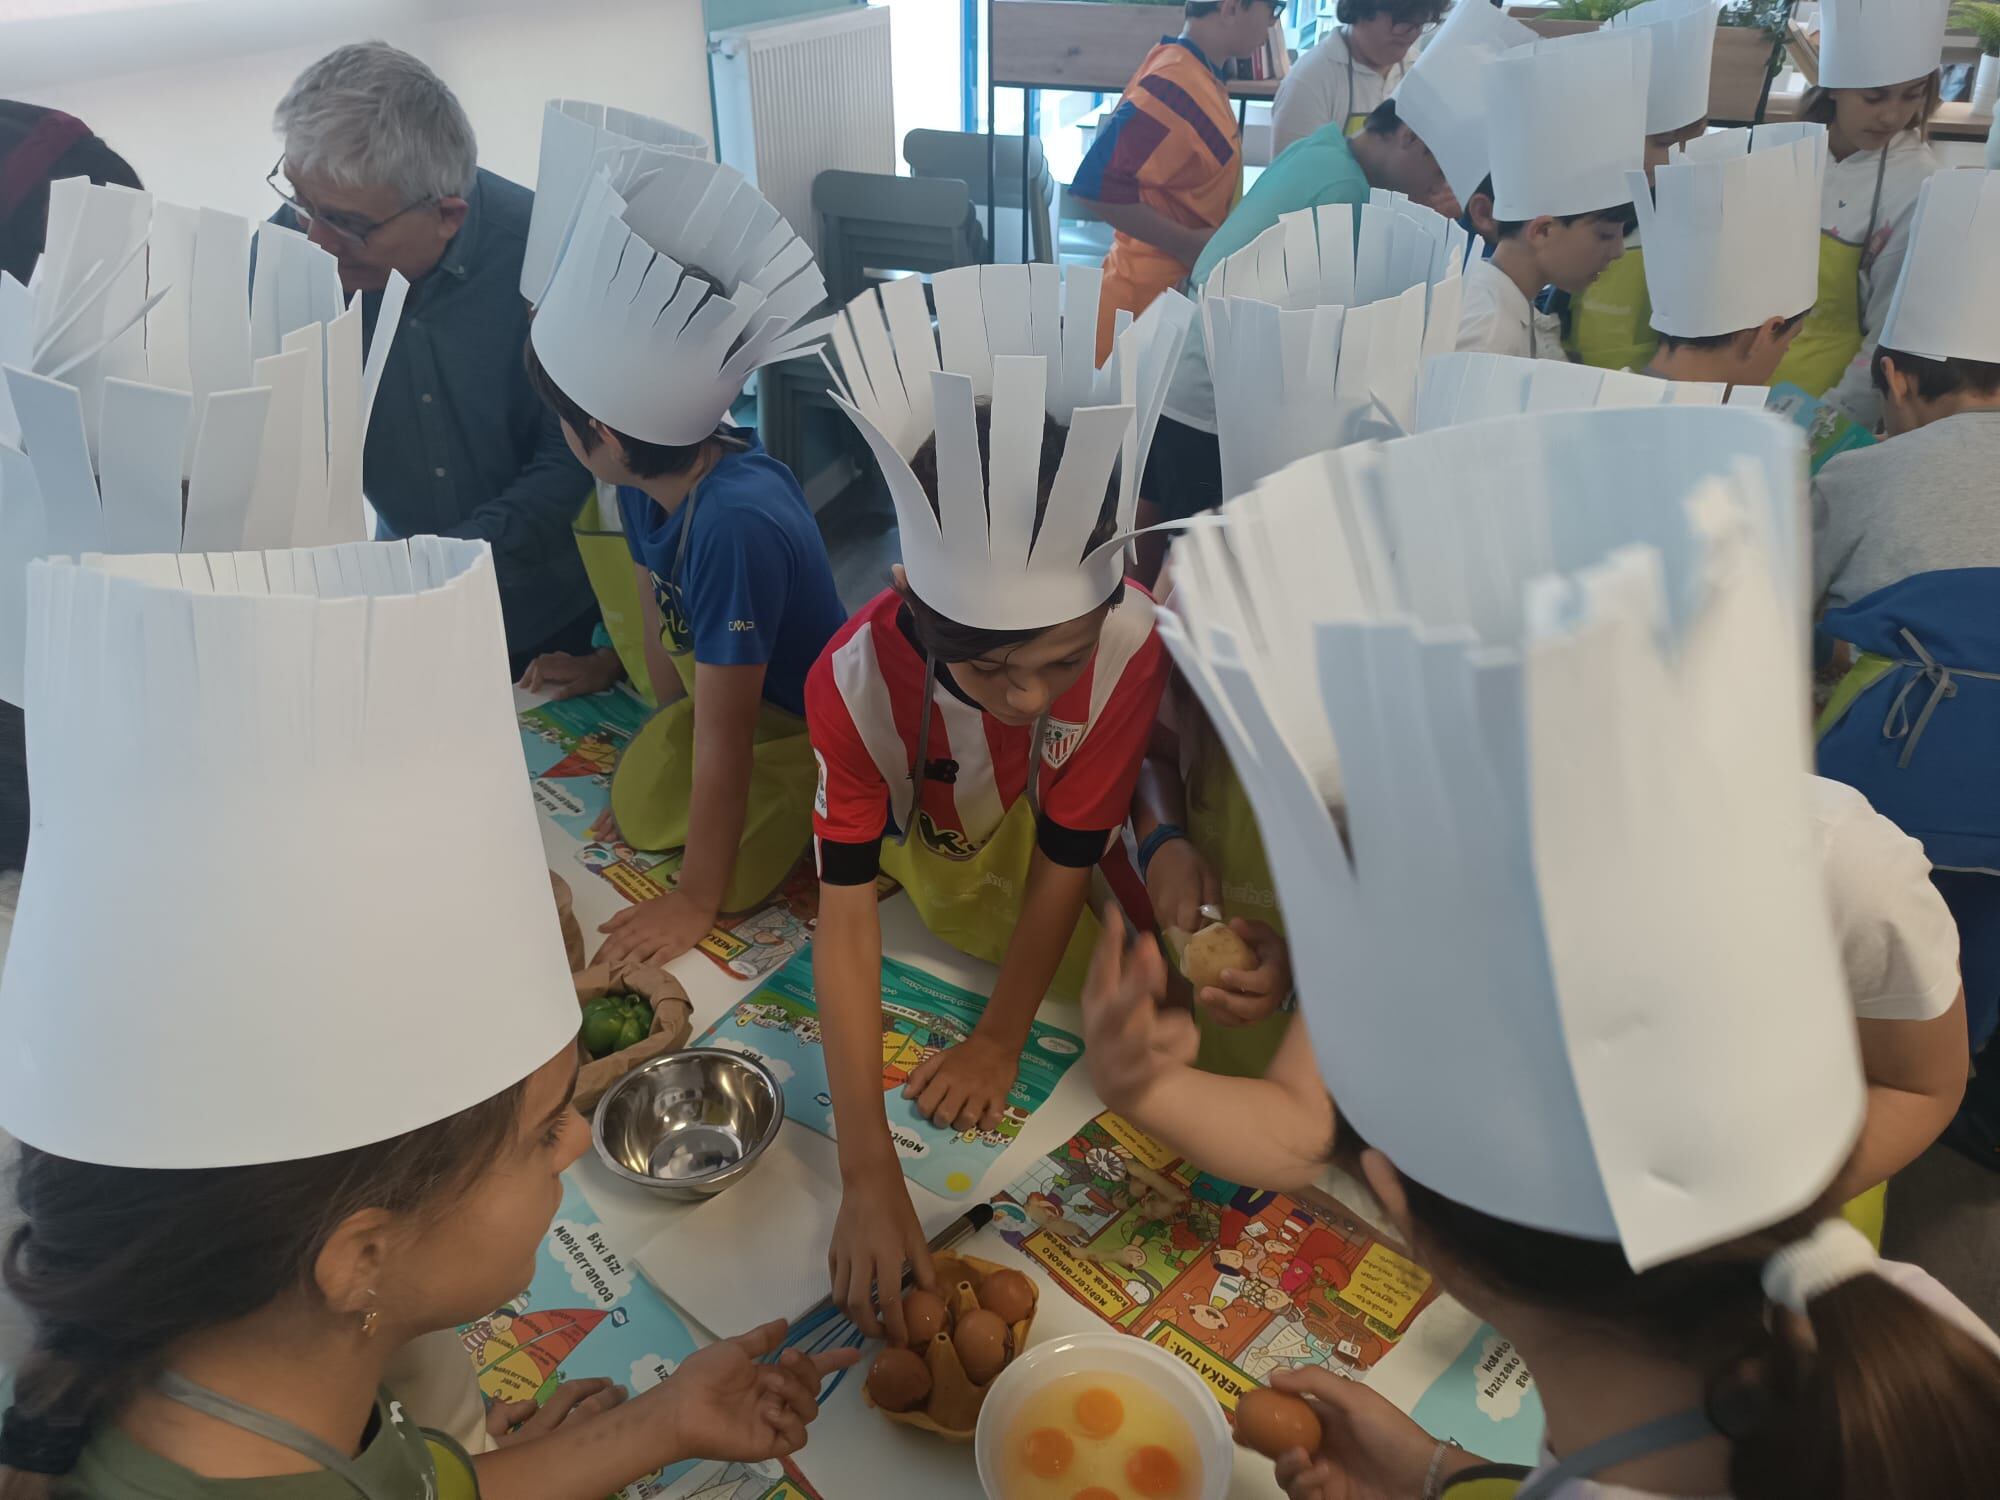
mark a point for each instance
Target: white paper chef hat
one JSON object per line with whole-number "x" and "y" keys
{"x": 149, "y": 405}
{"x": 1570, "y": 932}
{"x": 1316, "y": 334}
{"x": 579, "y": 140}
{"x": 1022, "y": 338}
{"x": 1567, "y": 117}
{"x": 1866, "y": 44}
{"x": 649, "y": 349}
{"x": 1683, "y": 57}
{"x": 1731, "y": 229}
{"x": 265, "y": 740}
{"x": 1947, "y": 302}
{"x": 1442, "y": 98}
{"x": 1473, "y": 386}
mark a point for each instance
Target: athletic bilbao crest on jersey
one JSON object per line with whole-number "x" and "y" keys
{"x": 1059, "y": 741}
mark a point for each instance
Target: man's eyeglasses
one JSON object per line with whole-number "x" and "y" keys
{"x": 347, "y": 226}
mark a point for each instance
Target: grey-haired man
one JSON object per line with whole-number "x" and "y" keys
{"x": 380, "y": 168}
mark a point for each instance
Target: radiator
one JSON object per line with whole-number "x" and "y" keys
{"x": 797, "y": 98}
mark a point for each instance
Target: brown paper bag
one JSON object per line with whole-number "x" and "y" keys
{"x": 572, "y": 931}
{"x": 673, "y": 1022}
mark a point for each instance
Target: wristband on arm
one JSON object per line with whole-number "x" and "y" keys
{"x": 1152, "y": 843}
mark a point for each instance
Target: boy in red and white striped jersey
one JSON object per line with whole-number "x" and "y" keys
{"x": 979, "y": 727}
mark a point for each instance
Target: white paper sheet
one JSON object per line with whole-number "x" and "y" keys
{"x": 225, "y": 469}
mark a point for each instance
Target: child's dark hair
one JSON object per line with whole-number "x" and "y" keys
{"x": 944, "y": 637}
{"x": 1426, "y": 12}
{"x": 1819, "y": 105}
{"x": 1625, "y": 216}
{"x": 1723, "y": 340}
{"x": 1937, "y": 378}
{"x": 115, "y": 1266}
{"x": 646, "y": 460}
{"x": 1382, "y": 119}
{"x": 1888, "y": 1401}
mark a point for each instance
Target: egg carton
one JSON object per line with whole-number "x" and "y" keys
{"x": 952, "y": 1411}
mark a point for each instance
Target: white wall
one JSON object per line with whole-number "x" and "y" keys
{"x": 184, "y": 88}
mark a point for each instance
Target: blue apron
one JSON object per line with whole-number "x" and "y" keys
{"x": 1921, "y": 739}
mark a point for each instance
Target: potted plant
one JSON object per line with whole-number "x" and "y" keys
{"x": 1749, "y": 44}
{"x": 1982, "y": 19}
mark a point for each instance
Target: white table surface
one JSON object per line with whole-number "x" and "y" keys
{"x": 854, "y": 1452}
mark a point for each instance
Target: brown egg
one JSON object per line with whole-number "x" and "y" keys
{"x": 1274, "y": 1423}
{"x": 1009, "y": 1294}
{"x": 925, "y": 1316}
{"x": 982, "y": 1344}
{"x": 899, "y": 1380}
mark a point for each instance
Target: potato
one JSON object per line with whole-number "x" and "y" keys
{"x": 1213, "y": 949}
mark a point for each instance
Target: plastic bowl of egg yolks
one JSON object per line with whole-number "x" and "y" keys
{"x": 1104, "y": 1416}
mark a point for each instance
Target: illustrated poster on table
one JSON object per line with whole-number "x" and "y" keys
{"x": 779, "y": 1025}
{"x": 1236, "y": 1282}
{"x": 589, "y": 1314}
{"x": 572, "y": 746}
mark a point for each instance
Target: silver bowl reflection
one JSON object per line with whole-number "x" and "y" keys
{"x": 689, "y": 1124}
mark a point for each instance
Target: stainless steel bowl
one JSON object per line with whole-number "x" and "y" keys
{"x": 690, "y": 1123}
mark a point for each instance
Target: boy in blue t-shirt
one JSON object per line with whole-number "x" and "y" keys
{"x": 739, "y": 600}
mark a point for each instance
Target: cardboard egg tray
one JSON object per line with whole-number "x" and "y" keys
{"x": 952, "y": 1411}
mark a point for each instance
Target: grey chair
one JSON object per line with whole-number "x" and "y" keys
{"x": 872, "y": 222}
{"x": 962, "y": 155}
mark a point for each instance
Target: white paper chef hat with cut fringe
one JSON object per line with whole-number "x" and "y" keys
{"x": 650, "y": 349}
{"x": 579, "y": 140}
{"x": 1947, "y": 301}
{"x": 1731, "y": 229}
{"x": 148, "y": 404}
{"x": 1443, "y": 99}
{"x": 1022, "y": 338}
{"x": 1318, "y": 328}
{"x": 1473, "y": 386}
{"x": 262, "y": 738}
{"x": 1567, "y": 117}
{"x": 1682, "y": 59}
{"x": 1865, "y": 44}
{"x": 1569, "y": 931}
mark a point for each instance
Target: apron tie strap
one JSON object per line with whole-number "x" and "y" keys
{"x": 1896, "y": 723}
{"x": 1652, "y": 1437}
{"x": 184, "y": 1392}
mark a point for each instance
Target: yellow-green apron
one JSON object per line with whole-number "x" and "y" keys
{"x": 1868, "y": 1212}
{"x": 653, "y": 783}
{"x": 1224, "y": 832}
{"x": 1611, "y": 324}
{"x": 1831, "y": 334}
{"x": 973, "y": 903}
{"x": 607, "y": 561}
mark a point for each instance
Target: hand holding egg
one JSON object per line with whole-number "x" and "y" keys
{"x": 955, "y": 1345}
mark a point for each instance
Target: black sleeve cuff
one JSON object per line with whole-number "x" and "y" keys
{"x": 849, "y": 864}
{"x": 1072, "y": 848}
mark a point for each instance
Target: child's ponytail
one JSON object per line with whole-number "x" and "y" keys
{"x": 1884, "y": 1398}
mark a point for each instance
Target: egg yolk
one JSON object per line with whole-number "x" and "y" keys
{"x": 1049, "y": 1452}
{"x": 1153, "y": 1471}
{"x": 1099, "y": 1412}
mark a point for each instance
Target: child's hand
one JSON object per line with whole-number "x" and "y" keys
{"x": 965, "y": 1087}
{"x": 1129, "y": 1042}
{"x": 1369, "y": 1450}
{"x": 1247, "y": 996}
{"x": 509, "y": 1422}
{"x": 874, "y": 1236}
{"x": 654, "y": 932}
{"x": 1179, "y": 883}
{"x": 561, "y": 675}
{"x": 721, "y": 1404}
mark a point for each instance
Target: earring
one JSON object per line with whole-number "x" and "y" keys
{"x": 370, "y": 1319}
